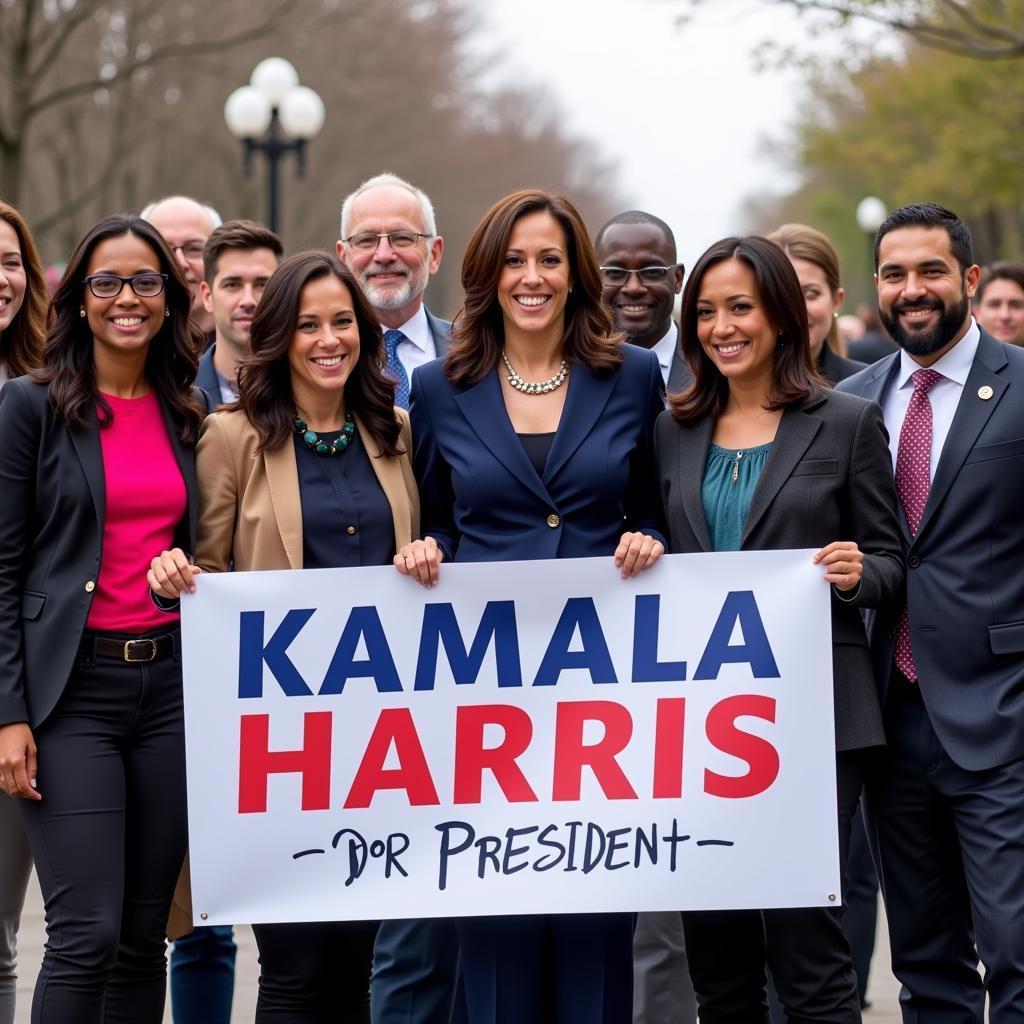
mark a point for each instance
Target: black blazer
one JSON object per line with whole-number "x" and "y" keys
{"x": 828, "y": 477}
{"x": 965, "y": 581}
{"x": 51, "y": 530}
{"x": 835, "y": 368}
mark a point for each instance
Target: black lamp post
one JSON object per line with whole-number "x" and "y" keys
{"x": 274, "y": 115}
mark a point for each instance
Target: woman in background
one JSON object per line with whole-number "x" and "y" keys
{"x": 24, "y": 305}
{"x": 817, "y": 268}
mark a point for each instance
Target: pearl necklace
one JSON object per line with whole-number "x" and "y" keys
{"x": 541, "y": 387}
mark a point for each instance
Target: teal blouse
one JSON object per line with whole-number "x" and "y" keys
{"x": 730, "y": 478}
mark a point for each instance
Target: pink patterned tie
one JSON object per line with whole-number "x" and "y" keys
{"x": 913, "y": 481}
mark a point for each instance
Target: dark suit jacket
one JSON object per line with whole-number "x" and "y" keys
{"x": 51, "y": 530}
{"x": 480, "y": 496}
{"x": 207, "y": 382}
{"x": 828, "y": 477}
{"x": 965, "y": 575}
{"x": 441, "y": 331}
{"x": 835, "y": 368}
{"x": 680, "y": 376}
{"x": 871, "y": 346}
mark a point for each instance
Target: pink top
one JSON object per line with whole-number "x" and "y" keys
{"x": 144, "y": 503}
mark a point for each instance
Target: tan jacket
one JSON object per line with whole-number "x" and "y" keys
{"x": 250, "y": 513}
{"x": 249, "y": 506}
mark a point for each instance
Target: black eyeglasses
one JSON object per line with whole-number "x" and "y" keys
{"x": 648, "y": 275}
{"x": 367, "y": 241}
{"x": 145, "y": 286}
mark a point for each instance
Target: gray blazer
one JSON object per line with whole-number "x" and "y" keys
{"x": 828, "y": 477}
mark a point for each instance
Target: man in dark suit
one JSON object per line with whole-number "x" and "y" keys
{"x": 946, "y": 805}
{"x": 640, "y": 280}
{"x": 390, "y": 242}
{"x": 238, "y": 259}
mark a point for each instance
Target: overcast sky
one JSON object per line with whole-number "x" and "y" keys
{"x": 682, "y": 111}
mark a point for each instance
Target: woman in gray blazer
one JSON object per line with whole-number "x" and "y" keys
{"x": 757, "y": 454}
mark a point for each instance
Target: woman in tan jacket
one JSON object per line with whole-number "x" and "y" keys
{"x": 308, "y": 469}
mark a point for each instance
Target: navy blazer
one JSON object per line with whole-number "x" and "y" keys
{"x": 207, "y": 382}
{"x": 481, "y": 498}
{"x": 827, "y": 477}
{"x": 52, "y": 507}
{"x": 965, "y": 571}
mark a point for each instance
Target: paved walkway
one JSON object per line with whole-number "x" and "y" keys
{"x": 883, "y": 991}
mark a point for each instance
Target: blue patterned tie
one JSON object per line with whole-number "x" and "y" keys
{"x": 395, "y": 369}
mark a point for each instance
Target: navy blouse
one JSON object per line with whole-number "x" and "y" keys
{"x": 346, "y": 517}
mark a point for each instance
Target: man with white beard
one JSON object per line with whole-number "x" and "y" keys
{"x": 390, "y": 242}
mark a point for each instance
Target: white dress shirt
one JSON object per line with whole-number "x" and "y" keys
{"x": 665, "y": 349}
{"x": 944, "y": 396}
{"x": 417, "y": 347}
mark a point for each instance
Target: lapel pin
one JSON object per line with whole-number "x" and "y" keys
{"x": 985, "y": 392}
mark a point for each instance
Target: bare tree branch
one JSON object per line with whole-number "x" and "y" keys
{"x": 991, "y": 31}
{"x": 196, "y": 48}
{"x": 63, "y": 32}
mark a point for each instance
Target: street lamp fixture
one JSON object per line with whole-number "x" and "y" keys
{"x": 871, "y": 212}
{"x": 274, "y": 115}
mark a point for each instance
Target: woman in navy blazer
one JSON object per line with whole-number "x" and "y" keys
{"x": 760, "y": 454}
{"x": 533, "y": 439}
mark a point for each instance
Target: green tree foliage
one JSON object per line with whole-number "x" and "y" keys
{"x": 929, "y": 125}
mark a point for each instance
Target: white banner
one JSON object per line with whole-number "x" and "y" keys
{"x": 525, "y": 737}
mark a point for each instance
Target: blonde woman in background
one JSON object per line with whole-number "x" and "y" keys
{"x": 817, "y": 267}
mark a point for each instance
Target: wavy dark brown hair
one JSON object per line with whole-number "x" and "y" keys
{"x": 21, "y": 345}
{"x": 478, "y": 334}
{"x": 794, "y": 378}
{"x": 264, "y": 379}
{"x": 173, "y": 353}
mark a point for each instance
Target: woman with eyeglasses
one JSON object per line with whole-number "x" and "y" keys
{"x": 97, "y": 475}
{"x": 24, "y": 302}
{"x": 309, "y": 469}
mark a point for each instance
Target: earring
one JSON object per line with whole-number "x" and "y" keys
{"x": 167, "y": 312}
{"x": 81, "y": 312}
{"x": 835, "y": 315}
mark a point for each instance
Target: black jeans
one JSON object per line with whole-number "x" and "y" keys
{"x": 315, "y": 973}
{"x": 805, "y": 947}
{"x": 108, "y": 839}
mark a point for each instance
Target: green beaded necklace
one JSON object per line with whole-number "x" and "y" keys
{"x": 312, "y": 439}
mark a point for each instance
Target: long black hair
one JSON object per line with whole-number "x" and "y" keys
{"x": 173, "y": 354}
{"x": 264, "y": 378}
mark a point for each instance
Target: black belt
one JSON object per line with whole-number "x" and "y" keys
{"x": 140, "y": 649}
